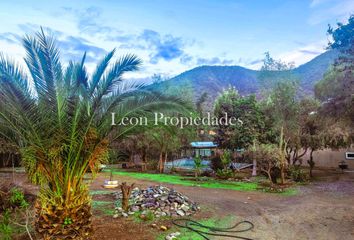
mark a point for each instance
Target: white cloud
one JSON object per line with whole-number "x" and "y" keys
{"x": 304, "y": 54}
{"x": 322, "y": 12}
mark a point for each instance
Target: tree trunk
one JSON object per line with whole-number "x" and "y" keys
{"x": 254, "y": 168}
{"x": 126, "y": 191}
{"x": 282, "y": 157}
{"x": 164, "y": 162}
{"x": 57, "y": 219}
{"x": 143, "y": 168}
{"x": 160, "y": 162}
{"x": 311, "y": 163}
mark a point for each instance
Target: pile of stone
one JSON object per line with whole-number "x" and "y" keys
{"x": 160, "y": 201}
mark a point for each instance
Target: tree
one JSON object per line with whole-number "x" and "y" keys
{"x": 65, "y": 125}
{"x": 336, "y": 89}
{"x": 281, "y": 103}
{"x": 302, "y": 129}
{"x": 247, "y": 109}
{"x": 274, "y": 71}
{"x": 225, "y": 104}
{"x": 266, "y": 156}
{"x": 313, "y": 137}
{"x": 197, "y": 166}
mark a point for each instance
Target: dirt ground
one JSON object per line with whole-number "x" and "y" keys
{"x": 323, "y": 209}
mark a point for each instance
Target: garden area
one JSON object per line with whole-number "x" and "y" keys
{"x": 74, "y": 167}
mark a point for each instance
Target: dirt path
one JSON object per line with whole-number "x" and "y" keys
{"x": 322, "y": 210}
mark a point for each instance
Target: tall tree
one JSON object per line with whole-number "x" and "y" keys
{"x": 336, "y": 89}
{"x": 281, "y": 103}
{"x": 65, "y": 125}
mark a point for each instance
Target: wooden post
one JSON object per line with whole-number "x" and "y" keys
{"x": 126, "y": 192}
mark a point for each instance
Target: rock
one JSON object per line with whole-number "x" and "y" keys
{"x": 154, "y": 225}
{"x": 161, "y": 201}
{"x": 168, "y": 237}
{"x": 163, "y": 228}
{"x": 115, "y": 216}
{"x": 176, "y": 234}
{"x": 194, "y": 208}
{"x": 180, "y": 212}
{"x": 172, "y": 236}
{"x": 124, "y": 214}
{"x": 185, "y": 208}
{"x": 134, "y": 209}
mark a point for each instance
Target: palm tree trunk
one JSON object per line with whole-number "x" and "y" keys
{"x": 56, "y": 219}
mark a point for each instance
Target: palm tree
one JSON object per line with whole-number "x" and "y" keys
{"x": 63, "y": 120}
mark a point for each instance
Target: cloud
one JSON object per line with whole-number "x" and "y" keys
{"x": 88, "y": 21}
{"x": 315, "y": 3}
{"x": 30, "y": 28}
{"x": 256, "y": 61}
{"x": 213, "y": 61}
{"x": 74, "y": 48}
{"x": 324, "y": 10}
{"x": 311, "y": 52}
{"x": 305, "y": 53}
{"x": 186, "y": 59}
{"x": 11, "y": 38}
{"x": 165, "y": 47}
{"x": 71, "y": 47}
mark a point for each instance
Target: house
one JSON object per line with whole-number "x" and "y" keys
{"x": 203, "y": 149}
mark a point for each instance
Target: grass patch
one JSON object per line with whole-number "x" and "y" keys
{"x": 189, "y": 235}
{"x": 204, "y": 182}
{"x": 104, "y": 207}
{"x": 290, "y": 192}
{"x": 188, "y": 181}
{"x": 100, "y": 192}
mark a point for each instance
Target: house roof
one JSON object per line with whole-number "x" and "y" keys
{"x": 203, "y": 144}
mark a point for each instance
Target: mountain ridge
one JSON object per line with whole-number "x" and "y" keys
{"x": 213, "y": 79}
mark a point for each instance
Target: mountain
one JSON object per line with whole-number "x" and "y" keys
{"x": 213, "y": 79}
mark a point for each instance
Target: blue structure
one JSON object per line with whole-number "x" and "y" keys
{"x": 203, "y": 149}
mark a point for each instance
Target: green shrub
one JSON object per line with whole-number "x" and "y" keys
{"x": 197, "y": 166}
{"x": 5, "y": 227}
{"x": 224, "y": 173}
{"x": 216, "y": 163}
{"x": 226, "y": 159}
{"x": 149, "y": 216}
{"x": 17, "y": 198}
{"x": 297, "y": 174}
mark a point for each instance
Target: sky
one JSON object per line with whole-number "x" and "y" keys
{"x": 174, "y": 36}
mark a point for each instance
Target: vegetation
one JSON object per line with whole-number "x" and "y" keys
{"x": 185, "y": 181}
{"x": 63, "y": 125}
{"x": 197, "y": 166}
{"x": 6, "y": 229}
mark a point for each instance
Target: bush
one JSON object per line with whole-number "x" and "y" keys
{"x": 224, "y": 173}
{"x": 226, "y": 159}
{"x": 216, "y": 163}
{"x": 5, "y": 227}
{"x": 17, "y": 198}
{"x": 12, "y": 196}
{"x": 297, "y": 174}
